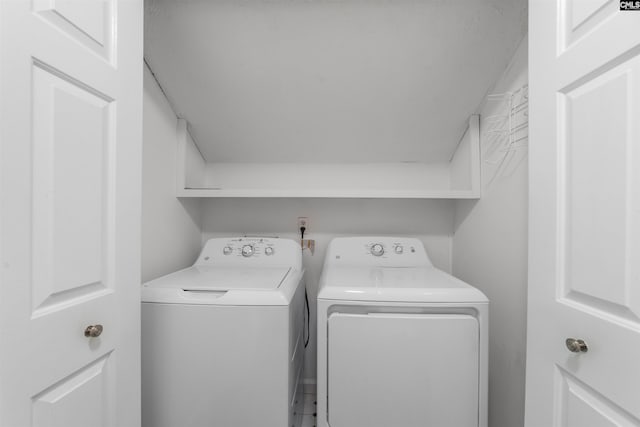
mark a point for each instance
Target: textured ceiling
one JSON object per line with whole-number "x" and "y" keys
{"x": 329, "y": 80}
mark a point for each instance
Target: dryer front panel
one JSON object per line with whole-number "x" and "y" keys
{"x": 402, "y": 369}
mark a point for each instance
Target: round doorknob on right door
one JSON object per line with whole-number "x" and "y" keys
{"x": 576, "y": 345}
{"x": 93, "y": 331}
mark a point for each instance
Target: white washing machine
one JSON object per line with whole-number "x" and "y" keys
{"x": 400, "y": 343}
{"x": 223, "y": 340}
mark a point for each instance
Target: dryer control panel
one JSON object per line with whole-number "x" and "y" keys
{"x": 256, "y": 251}
{"x": 377, "y": 251}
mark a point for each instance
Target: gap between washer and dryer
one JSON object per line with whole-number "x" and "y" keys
{"x": 309, "y": 409}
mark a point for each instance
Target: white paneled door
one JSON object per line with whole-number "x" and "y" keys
{"x": 70, "y": 158}
{"x": 584, "y": 278}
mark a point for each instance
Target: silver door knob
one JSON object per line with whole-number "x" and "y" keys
{"x": 576, "y": 346}
{"x": 93, "y": 331}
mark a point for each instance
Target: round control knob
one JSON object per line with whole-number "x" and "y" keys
{"x": 377, "y": 249}
{"x": 227, "y": 250}
{"x": 398, "y": 249}
{"x": 247, "y": 251}
{"x": 268, "y": 251}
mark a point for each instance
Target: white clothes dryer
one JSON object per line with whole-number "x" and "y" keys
{"x": 400, "y": 343}
{"x": 223, "y": 340}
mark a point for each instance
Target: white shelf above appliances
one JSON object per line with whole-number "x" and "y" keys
{"x": 458, "y": 178}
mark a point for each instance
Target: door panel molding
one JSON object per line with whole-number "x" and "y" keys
{"x": 577, "y": 404}
{"x": 90, "y": 22}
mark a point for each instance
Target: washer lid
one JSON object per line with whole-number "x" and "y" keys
{"x": 404, "y": 284}
{"x": 204, "y": 278}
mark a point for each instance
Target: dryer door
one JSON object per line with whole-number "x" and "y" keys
{"x": 400, "y": 369}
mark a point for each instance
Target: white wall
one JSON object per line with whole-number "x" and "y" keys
{"x": 429, "y": 220}
{"x": 171, "y": 234}
{"x": 490, "y": 251}
{"x": 334, "y": 80}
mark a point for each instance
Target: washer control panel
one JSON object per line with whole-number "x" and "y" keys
{"x": 248, "y": 247}
{"x": 253, "y": 250}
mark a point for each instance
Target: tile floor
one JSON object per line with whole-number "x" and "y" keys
{"x": 309, "y": 411}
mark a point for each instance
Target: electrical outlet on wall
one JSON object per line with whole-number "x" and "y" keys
{"x": 303, "y": 226}
{"x": 303, "y": 221}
